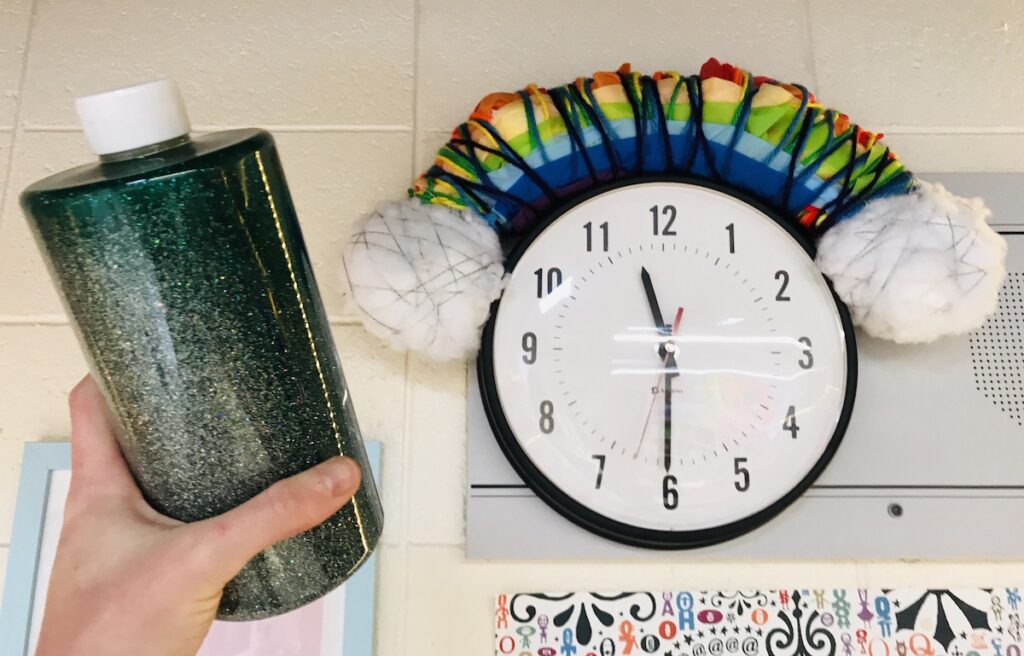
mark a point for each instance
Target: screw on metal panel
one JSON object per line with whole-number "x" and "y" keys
{"x": 895, "y": 510}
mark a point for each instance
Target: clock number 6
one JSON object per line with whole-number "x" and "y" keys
{"x": 669, "y": 494}
{"x": 547, "y": 417}
{"x": 669, "y": 212}
{"x": 743, "y": 484}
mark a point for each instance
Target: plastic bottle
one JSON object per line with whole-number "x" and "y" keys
{"x": 181, "y": 263}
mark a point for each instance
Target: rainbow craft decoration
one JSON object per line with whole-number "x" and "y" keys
{"x": 521, "y": 152}
{"x": 912, "y": 261}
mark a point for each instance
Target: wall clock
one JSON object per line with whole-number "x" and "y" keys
{"x": 667, "y": 367}
{"x": 665, "y": 362}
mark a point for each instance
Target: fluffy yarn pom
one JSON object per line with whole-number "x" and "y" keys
{"x": 424, "y": 277}
{"x": 918, "y": 266}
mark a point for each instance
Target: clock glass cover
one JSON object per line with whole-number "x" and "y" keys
{"x": 666, "y": 366}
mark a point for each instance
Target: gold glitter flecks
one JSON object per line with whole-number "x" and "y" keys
{"x": 309, "y": 332}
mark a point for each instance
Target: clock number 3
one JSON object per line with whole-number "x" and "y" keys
{"x": 807, "y": 361}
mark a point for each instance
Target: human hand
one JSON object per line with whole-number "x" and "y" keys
{"x": 128, "y": 580}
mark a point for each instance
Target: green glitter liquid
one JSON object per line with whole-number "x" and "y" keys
{"x": 192, "y": 294}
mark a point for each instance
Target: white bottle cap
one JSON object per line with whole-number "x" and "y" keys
{"x": 133, "y": 117}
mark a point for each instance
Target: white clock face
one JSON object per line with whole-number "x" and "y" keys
{"x": 667, "y": 358}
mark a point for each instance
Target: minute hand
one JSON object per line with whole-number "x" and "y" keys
{"x": 667, "y": 357}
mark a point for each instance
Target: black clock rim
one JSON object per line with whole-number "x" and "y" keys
{"x": 591, "y": 520}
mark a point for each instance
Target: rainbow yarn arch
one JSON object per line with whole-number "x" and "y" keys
{"x": 918, "y": 262}
{"x": 520, "y": 152}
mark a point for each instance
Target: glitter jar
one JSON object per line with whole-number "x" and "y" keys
{"x": 182, "y": 266}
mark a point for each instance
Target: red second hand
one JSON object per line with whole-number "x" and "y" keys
{"x": 661, "y": 379}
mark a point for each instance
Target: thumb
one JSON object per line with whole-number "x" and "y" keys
{"x": 283, "y": 510}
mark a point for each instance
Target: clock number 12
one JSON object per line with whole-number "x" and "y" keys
{"x": 669, "y": 212}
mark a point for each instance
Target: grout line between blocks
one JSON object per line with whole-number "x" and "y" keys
{"x": 33, "y": 320}
{"x": 279, "y": 128}
{"x": 404, "y": 504}
{"x": 417, "y": 131}
{"x": 62, "y": 320}
{"x": 948, "y": 130}
{"x": 22, "y": 74}
{"x": 414, "y": 165}
{"x": 409, "y": 384}
{"x": 811, "y": 62}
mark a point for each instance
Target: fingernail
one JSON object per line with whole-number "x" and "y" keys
{"x": 342, "y": 474}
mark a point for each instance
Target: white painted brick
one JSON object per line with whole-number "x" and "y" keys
{"x": 959, "y": 152}
{"x": 334, "y": 179}
{"x": 436, "y": 445}
{"x": 427, "y": 144}
{"x": 921, "y": 63}
{"x": 469, "y": 49}
{"x": 14, "y": 20}
{"x": 238, "y": 63}
{"x": 376, "y": 380}
{"x": 5, "y": 145}
{"x": 390, "y": 612}
{"x": 27, "y": 288}
{"x": 40, "y": 365}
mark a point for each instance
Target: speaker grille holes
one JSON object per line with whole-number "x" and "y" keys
{"x": 997, "y": 351}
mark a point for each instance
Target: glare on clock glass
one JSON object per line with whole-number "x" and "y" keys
{"x": 669, "y": 357}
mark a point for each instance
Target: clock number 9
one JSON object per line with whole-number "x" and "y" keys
{"x": 669, "y": 212}
{"x": 669, "y": 494}
{"x": 589, "y": 227}
{"x": 547, "y": 417}
{"x": 743, "y": 484}
{"x": 529, "y": 348}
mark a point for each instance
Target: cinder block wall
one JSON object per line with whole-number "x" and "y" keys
{"x": 359, "y": 95}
